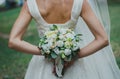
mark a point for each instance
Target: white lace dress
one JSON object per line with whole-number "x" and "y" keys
{"x": 101, "y": 65}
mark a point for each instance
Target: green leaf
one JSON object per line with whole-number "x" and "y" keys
{"x": 69, "y": 39}
{"x": 63, "y": 55}
{"x": 62, "y": 48}
{"x": 53, "y": 55}
{"x": 54, "y": 27}
{"x": 68, "y": 58}
{"x": 49, "y": 57}
{"x": 79, "y": 35}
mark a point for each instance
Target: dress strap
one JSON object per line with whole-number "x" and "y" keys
{"x": 32, "y": 9}
{"x": 77, "y": 9}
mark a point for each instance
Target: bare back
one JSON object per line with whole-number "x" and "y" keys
{"x": 55, "y": 11}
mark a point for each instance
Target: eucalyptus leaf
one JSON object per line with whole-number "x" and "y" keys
{"x": 54, "y": 27}
{"x": 49, "y": 57}
{"x": 79, "y": 35}
{"x": 53, "y": 55}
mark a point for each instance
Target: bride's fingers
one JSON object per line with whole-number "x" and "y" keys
{"x": 52, "y": 60}
{"x": 68, "y": 64}
{"x": 53, "y": 69}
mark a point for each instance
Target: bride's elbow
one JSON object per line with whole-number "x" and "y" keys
{"x": 12, "y": 43}
{"x": 105, "y": 42}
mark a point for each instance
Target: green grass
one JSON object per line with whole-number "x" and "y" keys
{"x": 115, "y": 26}
{"x": 7, "y": 19}
{"x": 13, "y": 64}
{"x": 115, "y": 19}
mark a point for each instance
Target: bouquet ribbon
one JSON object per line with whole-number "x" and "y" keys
{"x": 59, "y": 67}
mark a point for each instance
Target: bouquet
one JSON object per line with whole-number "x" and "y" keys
{"x": 60, "y": 44}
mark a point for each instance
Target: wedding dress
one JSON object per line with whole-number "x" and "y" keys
{"x": 100, "y": 65}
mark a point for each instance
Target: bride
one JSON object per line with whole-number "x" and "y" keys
{"x": 88, "y": 17}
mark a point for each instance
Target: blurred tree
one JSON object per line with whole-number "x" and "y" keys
{"x": 10, "y": 4}
{"x": 115, "y": 1}
{"x": 14, "y": 3}
{"x": 20, "y": 2}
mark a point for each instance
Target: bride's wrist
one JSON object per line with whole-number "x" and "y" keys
{"x": 39, "y": 51}
{"x": 79, "y": 54}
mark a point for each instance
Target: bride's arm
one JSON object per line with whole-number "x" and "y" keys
{"x": 101, "y": 39}
{"x": 17, "y": 32}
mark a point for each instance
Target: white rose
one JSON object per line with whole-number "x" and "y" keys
{"x": 67, "y": 51}
{"x": 49, "y": 45}
{"x": 61, "y": 36}
{"x": 56, "y": 50}
{"x": 62, "y": 31}
{"x": 53, "y": 36}
{"x": 69, "y": 35}
{"x": 47, "y": 51}
{"x": 45, "y": 48}
{"x": 75, "y": 46}
{"x": 60, "y": 43}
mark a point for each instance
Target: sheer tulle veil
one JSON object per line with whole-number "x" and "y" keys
{"x": 100, "y": 8}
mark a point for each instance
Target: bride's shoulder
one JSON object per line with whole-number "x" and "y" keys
{"x": 25, "y": 7}
{"x": 86, "y": 8}
{"x": 24, "y": 10}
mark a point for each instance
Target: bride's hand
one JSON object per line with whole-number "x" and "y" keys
{"x": 68, "y": 64}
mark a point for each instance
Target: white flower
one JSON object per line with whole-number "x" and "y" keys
{"x": 47, "y": 33}
{"x": 49, "y": 45}
{"x": 60, "y": 43}
{"x": 69, "y": 35}
{"x": 61, "y": 36}
{"x": 50, "y": 40}
{"x": 62, "y": 31}
{"x": 51, "y": 34}
{"x": 45, "y": 48}
{"x": 56, "y": 50}
{"x": 67, "y": 51}
{"x": 47, "y": 51}
{"x": 75, "y": 46}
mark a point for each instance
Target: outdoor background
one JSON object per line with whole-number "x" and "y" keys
{"x": 13, "y": 64}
